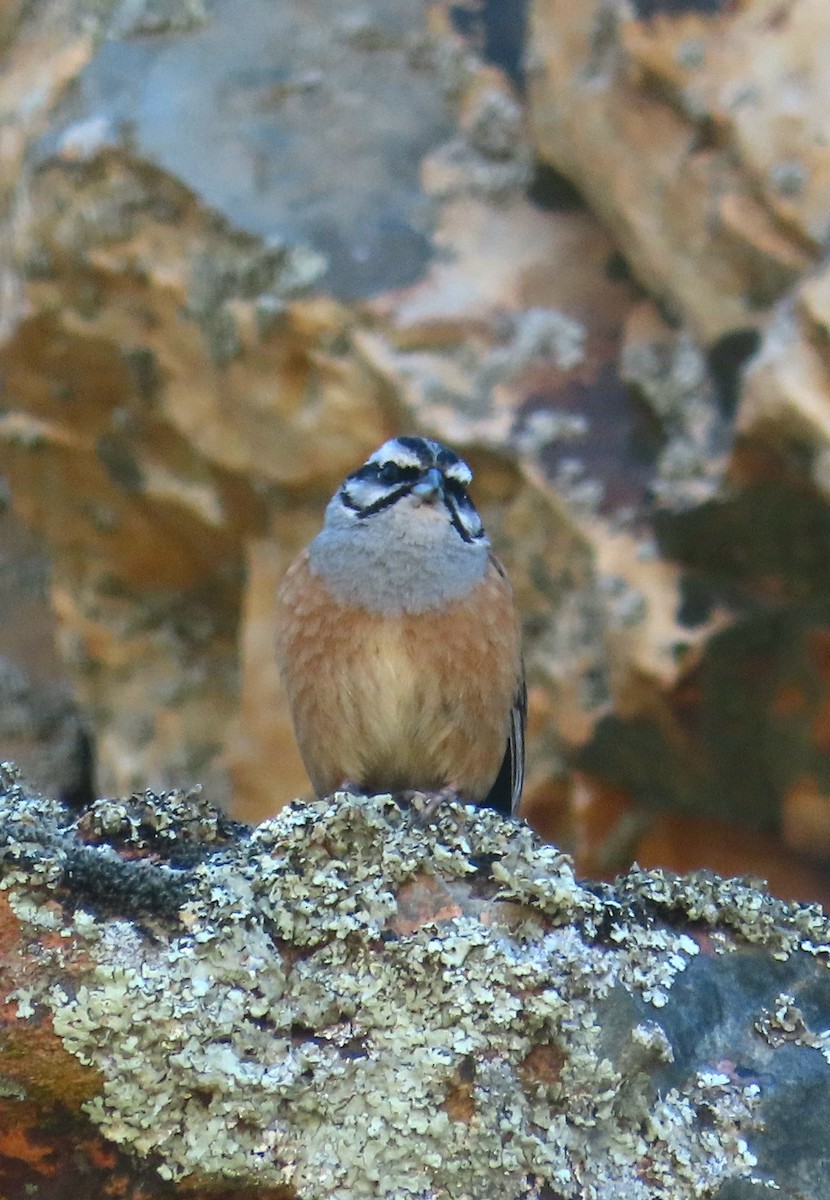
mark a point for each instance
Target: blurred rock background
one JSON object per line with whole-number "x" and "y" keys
{"x": 244, "y": 242}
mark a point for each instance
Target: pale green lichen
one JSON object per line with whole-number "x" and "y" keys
{"x": 286, "y": 1032}
{"x": 10, "y": 1089}
{"x": 140, "y": 821}
{"x": 785, "y": 1023}
{"x": 737, "y": 904}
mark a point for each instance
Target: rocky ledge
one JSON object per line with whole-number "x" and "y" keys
{"x": 348, "y": 1001}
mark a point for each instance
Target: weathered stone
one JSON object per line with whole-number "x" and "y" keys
{"x": 252, "y": 242}
{"x": 699, "y": 137}
{"x": 192, "y": 388}
{"x": 39, "y": 719}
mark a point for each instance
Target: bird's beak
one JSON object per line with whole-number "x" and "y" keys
{"x": 428, "y": 489}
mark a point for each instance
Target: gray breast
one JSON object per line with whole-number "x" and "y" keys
{"x": 404, "y": 559}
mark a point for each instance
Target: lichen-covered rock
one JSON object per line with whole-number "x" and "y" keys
{"x": 349, "y": 1002}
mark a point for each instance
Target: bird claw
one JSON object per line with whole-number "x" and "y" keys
{"x": 350, "y": 788}
{"x": 426, "y": 804}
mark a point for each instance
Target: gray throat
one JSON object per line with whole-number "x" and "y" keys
{"x": 396, "y": 560}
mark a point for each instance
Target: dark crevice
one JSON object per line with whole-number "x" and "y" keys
{"x": 645, "y": 10}
{"x": 726, "y": 359}
{"x": 552, "y": 191}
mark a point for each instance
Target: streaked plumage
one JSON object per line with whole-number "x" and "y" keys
{"x": 398, "y": 639}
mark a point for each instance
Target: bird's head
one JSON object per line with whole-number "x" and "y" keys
{"x": 401, "y": 532}
{"x": 428, "y": 482}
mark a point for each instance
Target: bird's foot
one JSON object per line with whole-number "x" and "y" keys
{"x": 426, "y": 804}
{"x": 350, "y": 788}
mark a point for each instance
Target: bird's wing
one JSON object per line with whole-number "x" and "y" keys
{"x": 516, "y": 745}
{"x": 506, "y": 793}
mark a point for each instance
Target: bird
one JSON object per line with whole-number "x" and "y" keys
{"x": 398, "y": 639}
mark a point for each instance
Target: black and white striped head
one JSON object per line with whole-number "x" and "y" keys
{"x": 401, "y": 534}
{"x": 418, "y": 472}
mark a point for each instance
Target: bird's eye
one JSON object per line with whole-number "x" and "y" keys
{"x": 390, "y": 472}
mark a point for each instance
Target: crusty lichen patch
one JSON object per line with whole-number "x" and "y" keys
{"x": 293, "y": 1028}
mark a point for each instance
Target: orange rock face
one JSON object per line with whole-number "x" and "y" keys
{"x": 584, "y": 252}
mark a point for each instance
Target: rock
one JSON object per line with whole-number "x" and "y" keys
{"x": 698, "y": 137}
{"x": 168, "y": 375}
{"x": 349, "y": 997}
{"x": 205, "y": 355}
{"x": 669, "y": 371}
{"x": 40, "y": 721}
{"x": 249, "y": 243}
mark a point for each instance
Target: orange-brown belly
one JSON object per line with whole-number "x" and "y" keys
{"x": 409, "y": 701}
